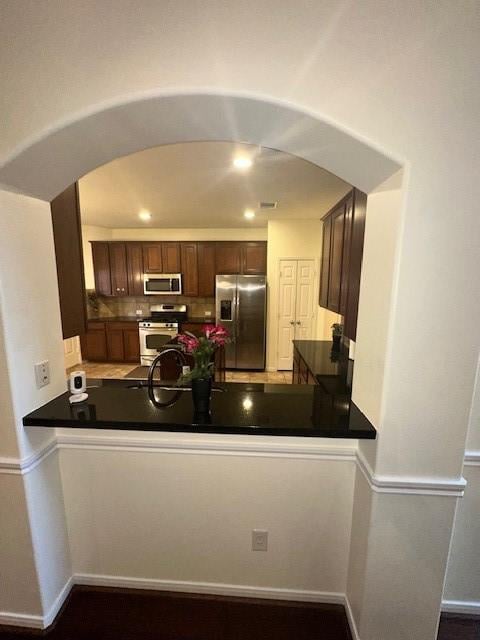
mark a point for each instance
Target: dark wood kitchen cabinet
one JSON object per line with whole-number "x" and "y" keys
{"x": 118, "y": 268}
{"x": 228, "y": 258}
{"x": 336, "y": 256}
{"x": 123, "y": 343}
{"x": 249, "y": 258}
{"x": 342, "y": 253}
{"x": 101, "y": 268}
{"x": 131, "y": 343}
{"x": 189, "y": 257}
{"x": 206, "y": 269}
{"x": 254, "y": 258}
{"x": 152, "y": 257}
{"x": 134, "y": 268}
{"x": 171, "y": 258}
{"x": 67, "y": 236}
{"x": 94, "y": 342}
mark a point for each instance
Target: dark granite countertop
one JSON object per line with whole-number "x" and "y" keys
{"x": 318, "y": 356}
{"x": 117, "y": 319}
{"x": 200, "y": 320}
{"x": 262, "y": 409}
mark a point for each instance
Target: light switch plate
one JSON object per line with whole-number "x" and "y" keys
{"x": 42, "y": 374}
{"x": 259, "y": 540}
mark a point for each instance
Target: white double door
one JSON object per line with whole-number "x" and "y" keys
{"x": 296, "y": 307}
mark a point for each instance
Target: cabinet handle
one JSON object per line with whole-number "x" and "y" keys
{"x": 298, "y": 322}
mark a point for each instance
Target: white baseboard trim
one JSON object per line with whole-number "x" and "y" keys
{"x": 21, "y": 466}
{"x": 52, "y": 613}
{"x": 21, "y": 620}
{"x": 472, "y": 458}
{"x": 461, "y": 606}
{"x": 210, "y": 588}
{"x": 351, "y": 619}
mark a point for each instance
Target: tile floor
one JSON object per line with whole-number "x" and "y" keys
{"x": 120, "y": 370}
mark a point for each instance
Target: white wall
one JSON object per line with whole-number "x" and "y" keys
{"x": 32, "y": 511}
{"x": 161, "y": 517}
{"x": 293, "y": 239}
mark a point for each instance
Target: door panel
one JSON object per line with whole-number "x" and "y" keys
{"x": 286, "y": 314}
{"x": 135, "y": 269}
{"x": 254, "y": 258}
{"x": 189, "y": 268}
{"x": 250, "y": 342}
{"x": 118, "y": 266}
{"x": 152, "y": 258}
{"x": 101, "y": 268}
{"x": 226, "y": 314}
{"x": 228, "y": 257}
{"x": 171, "y": 257}
{"x": 347, "y": 238}
{"x": 131, "y": 344}
{"x": 336, "y": 256}
{"x": 206, "y": 269}
{"x": 115, "y": 350}
{"x": 305, "y": 305}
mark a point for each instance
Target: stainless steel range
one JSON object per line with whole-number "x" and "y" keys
{"x": 159, "y": 329}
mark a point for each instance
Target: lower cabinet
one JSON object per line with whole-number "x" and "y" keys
{"x": 111, "y": 342}
{"x": 301, "y": 374}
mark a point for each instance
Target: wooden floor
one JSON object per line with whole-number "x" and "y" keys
{"x": 120, "y": 370}
{"x": 121, "y": 614}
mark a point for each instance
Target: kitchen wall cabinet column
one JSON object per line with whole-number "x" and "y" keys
{"x": 206, "y": 269}
{"x": 67, "y": 237}
{"x": 228, "y": 258}
{"x": 189, "y": 268}
{"x": 101, "y": 268}
{"x": 254, "y": 258}
{"x": 118, "y": 268}
{"x": 171, "y": 257}
{"x": 342, "y": 252}
{"x": 134, "y": 268}
{"x": 152, "y": 258}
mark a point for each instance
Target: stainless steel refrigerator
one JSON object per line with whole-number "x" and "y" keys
{"x": 241, "y": 308}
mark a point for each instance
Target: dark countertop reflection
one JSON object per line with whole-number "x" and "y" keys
{"x": 262, "y": 409}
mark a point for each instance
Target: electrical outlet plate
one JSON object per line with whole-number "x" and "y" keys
{"x": 259, "y": 540}
{"x": 208, "y": 314}
{"x": 42, "y": 374}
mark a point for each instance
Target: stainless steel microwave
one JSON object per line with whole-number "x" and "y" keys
{"x": 162, "y": 284}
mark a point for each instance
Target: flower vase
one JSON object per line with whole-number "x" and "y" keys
{"x": 201, "y": 392}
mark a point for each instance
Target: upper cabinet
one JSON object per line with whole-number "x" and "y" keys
{"x": 248, "y": 258}
{"x": 228, "y": 259}
{"x": 67, "y": 238}
{"x": 342, "y": 252}
{"x": 254, "y": 258}
{"x": 119, "y": 266}
{"x": 171, "y": 257}
{"x": 152, "y": 258}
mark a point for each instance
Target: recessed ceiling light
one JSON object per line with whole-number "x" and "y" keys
{"x": 145, "y": 216}
{"x": 249, "y": 214}
{"x": 242, "y": 162}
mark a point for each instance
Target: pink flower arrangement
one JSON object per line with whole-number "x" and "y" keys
{"x": 203, "y": 347}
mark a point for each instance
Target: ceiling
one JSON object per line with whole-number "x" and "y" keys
{"x": 194, "y": 184}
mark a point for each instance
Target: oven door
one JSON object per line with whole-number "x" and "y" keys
{"x": 153, "y": 340}
{"x": 162, "y": 284}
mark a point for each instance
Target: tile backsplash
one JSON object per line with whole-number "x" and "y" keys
{"x": 104, "y": 307}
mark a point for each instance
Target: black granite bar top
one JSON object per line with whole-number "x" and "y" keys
{"x": 262, "y": 409}
{"x": 319, "y": 357}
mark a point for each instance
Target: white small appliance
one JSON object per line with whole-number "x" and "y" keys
{"x": 78, "y": 386}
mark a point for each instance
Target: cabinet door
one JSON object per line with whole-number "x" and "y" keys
{"x": 67, "y": 237}
{"x": 193, "y": 327}
{"x": 347, "y": 238}
{"x": 189, "y": 268}
{"x": 254, "y": 258}
{"x": 152, "y": 257}
{"x": 94, "y": 343}
{"x": 115, "y": 350}
{"x": 131, "y": 344}
{"x": 118, "y": 268}
{"x": 206, "y": 269}
{"x": 335, "y": 275}
{"x": 135, "y": 269}
{"x": 101, "y": 268}
{"x": 171, "y": 257}
{"x": 355, "y": 263}
{"x": 325, "y": 266}
{"x": 228, "y": 257}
